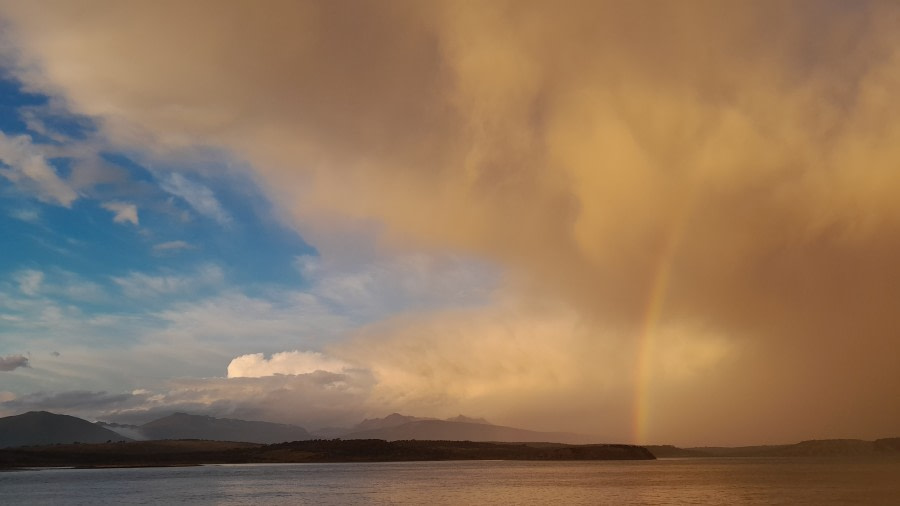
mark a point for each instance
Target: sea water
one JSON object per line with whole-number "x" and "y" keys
{"x": 666, "y": 481}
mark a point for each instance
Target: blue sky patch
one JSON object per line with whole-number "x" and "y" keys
{"x": 126, "y": 220}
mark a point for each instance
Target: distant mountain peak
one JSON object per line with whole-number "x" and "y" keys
{"x": 181, "y": 414}
{"x": 36, "y": 414}
{"x": 392, "y": 420}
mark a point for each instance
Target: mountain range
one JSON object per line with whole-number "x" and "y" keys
{"x": 186, "y": 426}
{"x": 43, "y": 428}
{"x": 37, "y": 428}
{"x": 394, "y": 427}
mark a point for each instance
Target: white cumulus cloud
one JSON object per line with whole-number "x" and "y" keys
{"x": 256, "y": 365}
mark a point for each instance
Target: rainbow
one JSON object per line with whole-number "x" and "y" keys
{"x": 659, "y": 287}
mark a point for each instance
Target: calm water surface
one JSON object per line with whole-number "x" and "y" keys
{"x": 667, "y": 481}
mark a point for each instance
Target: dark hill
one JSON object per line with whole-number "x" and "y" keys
{"x": 888, "y": 445}
{"x": 827, "y": 448}
{"x": 43, "y": 428}
{"x": 184, "y": 426}
{"x": 811, "y": 448}
{"x": 192, "y": 452}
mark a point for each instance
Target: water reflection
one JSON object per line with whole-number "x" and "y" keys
{"x": 698, "y": 481}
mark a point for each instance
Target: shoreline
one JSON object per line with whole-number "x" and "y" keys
{"x": 185, "y": 453}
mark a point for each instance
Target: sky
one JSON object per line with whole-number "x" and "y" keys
{"x": 652, "y": 222}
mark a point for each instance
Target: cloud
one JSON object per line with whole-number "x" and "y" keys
{"x": 185, "y": 331}
{"x": 319, "y": 315}
{"x": 199, "y": 197}
{"x": 122, "y": 211}
{"x": 311, "y": 400}
{"x": 523, "y": 364}
{"x": 403, "y": 282}
{"x": 90, "y": 170}
{"x": 55, "y": 122}
{"x": 729, "y": 169}
{"x": 141, "y": 285}
{"x": 30, "y": 281}
{"x": 287, "y": 362}
{"x": 33, "y": 118}
{"x": 13, "y": 362}
{"x": 231, "y": 323}
{"x": 27, "y": 168}
{"x": 26, "y": 215}
{"x": 170, "y": 246}
{"x": 64, "y": 401}
{"x": 57, "y": 282}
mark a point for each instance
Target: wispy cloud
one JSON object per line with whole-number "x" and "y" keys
{"x": 75, "y": 399}
{"x": 57, "y": 282}
{"x": 30, "y": 281}
{"x": 26, "y": 215}
{"x": 383, "y": 286}
{"x": 122, "y": 212}
{"x": 171, "y": 246}
{"x": 141, "y": 285}
{"x": 199, "y": 197}
{"x": 89, "y": 170}
{"x": 13, "y": 362}
{"x": 56, "y": 122}
{"x": 27, "y": 168}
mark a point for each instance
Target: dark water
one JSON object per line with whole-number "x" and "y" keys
{"x": 688, "y": 481}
